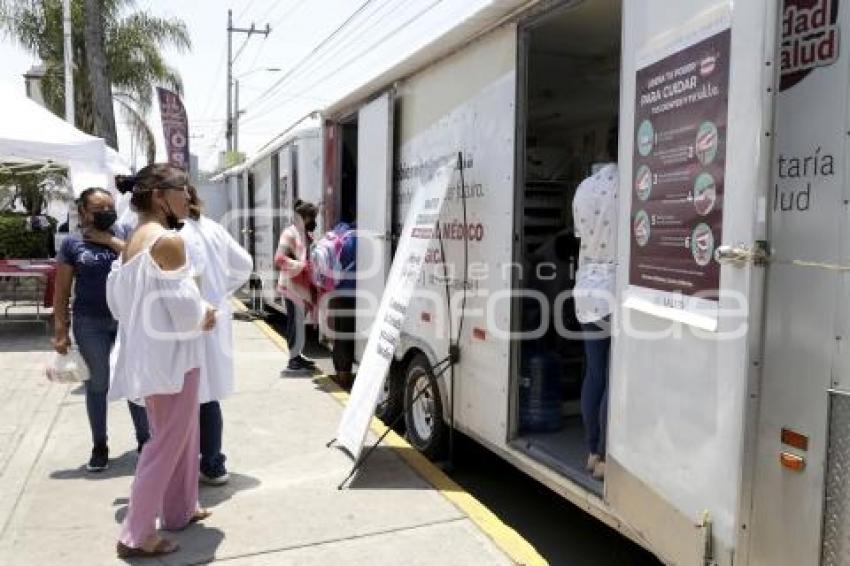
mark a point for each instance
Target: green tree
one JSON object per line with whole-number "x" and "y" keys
{"x": 133, "y": 41}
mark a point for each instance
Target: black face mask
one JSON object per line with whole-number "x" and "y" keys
{"x": 310, "y": 226}
{"x": 104, "y": 219}
{"x": 172, "y": 221}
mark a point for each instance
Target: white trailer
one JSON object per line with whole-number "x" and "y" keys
{"x": 729, "y": 412}
{"x": 262, "y": 193}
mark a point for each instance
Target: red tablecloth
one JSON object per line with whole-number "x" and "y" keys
{"x": 43, "y": 268}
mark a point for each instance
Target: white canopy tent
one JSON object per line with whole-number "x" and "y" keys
{"x": 31, "y": 134}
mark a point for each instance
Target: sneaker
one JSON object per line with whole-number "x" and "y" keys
{"x": 299, "y": 364}
{"x": 297, "y": 372}
{"x": 99, "y": 460}
{"x": 302, "y": 361}
{"x": 220, "y": 479}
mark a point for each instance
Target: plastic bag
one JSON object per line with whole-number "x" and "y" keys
{"x": 67, "y": 368}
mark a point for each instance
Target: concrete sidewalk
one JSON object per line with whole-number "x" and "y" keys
{"x": 281, "y": 506}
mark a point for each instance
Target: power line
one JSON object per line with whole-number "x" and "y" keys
{"x": 303, "y": 66}
{"x": 314, "y": 50}
{"x": 369, "y": 48}
{"x": 245, "y": 9}
{"x": 342, "y": 47}
{"x": 292, "y": 8}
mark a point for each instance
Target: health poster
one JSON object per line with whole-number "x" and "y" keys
{"x": 679, "y": 169}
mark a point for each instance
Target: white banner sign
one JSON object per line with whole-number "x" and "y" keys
{"x": 418, "y": 230}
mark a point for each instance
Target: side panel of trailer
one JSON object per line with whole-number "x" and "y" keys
{"x": 230, "y": 220}
{"x": 438, "y": 116}
{"x": 309, "y": 173}
{"x": 679, "y": 411}
{"x": 802, "y": 515}
{"x": 263, "y": 213}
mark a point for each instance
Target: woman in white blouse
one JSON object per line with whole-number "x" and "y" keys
{"x": 595, "y": 221}
{"x": 161, "y": 316}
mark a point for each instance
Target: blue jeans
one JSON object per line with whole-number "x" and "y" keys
{"x": 95, "y": 336}
{"x": 594, "y": 387}
{"x": 294, "y": 329}
{"x": 212, "y": 460}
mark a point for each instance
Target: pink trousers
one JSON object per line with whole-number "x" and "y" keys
{"x": 166, "y": 482}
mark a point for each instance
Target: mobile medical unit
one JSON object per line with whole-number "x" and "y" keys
{"x": 729, "y": 414}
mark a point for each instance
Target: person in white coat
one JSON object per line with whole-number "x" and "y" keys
{"x": 221, "y": 266}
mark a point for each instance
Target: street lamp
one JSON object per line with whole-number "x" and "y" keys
{"x": 237, "y": 111}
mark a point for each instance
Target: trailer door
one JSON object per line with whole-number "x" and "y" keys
{"x": 695, "y": 134}
{"x": 374, "y": 221}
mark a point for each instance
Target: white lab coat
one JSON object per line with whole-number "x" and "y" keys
{"x": 222, "y": 267}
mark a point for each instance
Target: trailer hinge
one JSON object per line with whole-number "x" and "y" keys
{"x": 708, "y": 550}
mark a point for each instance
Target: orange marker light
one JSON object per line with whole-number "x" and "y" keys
{"x": 795, "y": 439}
{"x": 792, "y": 461}
{"x": 479, "y": 333}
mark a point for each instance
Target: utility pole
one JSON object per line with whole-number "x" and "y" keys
{"x": 69, "y": 62}
{"x": 230, "y": 60}
{"x": 236, "y": 115}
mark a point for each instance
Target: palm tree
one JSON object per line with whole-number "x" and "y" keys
{"x": 133, "y": 41}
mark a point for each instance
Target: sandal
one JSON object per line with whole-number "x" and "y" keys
{"x": 197, "y": 517}
{"x": 163, "y": 546}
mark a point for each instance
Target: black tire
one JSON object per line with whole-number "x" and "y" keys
{"x": 391, "y": 401}
{"x": 426, "y": 428}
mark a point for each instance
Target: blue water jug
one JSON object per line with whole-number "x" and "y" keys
{"x": 540, "y": 392}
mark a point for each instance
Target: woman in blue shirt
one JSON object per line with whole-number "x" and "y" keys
{"x": 84, "y": 262}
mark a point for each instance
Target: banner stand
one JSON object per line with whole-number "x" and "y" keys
{"x": 446, "y": 364}
{"x": 439, "y": 369}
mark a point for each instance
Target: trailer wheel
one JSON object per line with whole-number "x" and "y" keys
{"x": 391, "y": 399}
{"x": 423, "y": 415}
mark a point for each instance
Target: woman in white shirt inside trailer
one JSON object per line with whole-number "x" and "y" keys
{"x": 595, "y": 220}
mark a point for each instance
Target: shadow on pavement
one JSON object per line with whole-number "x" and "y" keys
{"x": 198, "y": 545}
{"x": 387, "y": 468}
{"x": 123, "y": 465}
{"x": 209, "y": 496}
{"x": 212, "y": 496}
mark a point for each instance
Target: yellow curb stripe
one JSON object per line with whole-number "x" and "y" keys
{"x": 507, "y": 539}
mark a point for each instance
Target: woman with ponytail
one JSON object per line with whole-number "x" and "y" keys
{"x": 162, "y": 318}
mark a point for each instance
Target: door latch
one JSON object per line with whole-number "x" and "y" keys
{"x": 740, "y": 255}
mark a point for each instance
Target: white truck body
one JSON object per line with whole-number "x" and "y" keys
{"x": 727, "y": 438}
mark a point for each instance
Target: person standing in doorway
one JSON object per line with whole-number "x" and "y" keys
{"x": 595, "y": 221}
{"x": 161, "y": 316}
{"x": 85, "y": 260}
{"x": 222, "y": 267}
{"x": 343, "y": 301}
{"x": 294, "y": 283}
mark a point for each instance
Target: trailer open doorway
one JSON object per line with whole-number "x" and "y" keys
{"x": 348, "y": 170}
{"x": 569, "y": 97}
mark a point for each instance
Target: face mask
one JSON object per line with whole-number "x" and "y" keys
{"x": 104, "y": 219}
{"x": 172, "y": 221}
{"x": 310, "y": 226}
